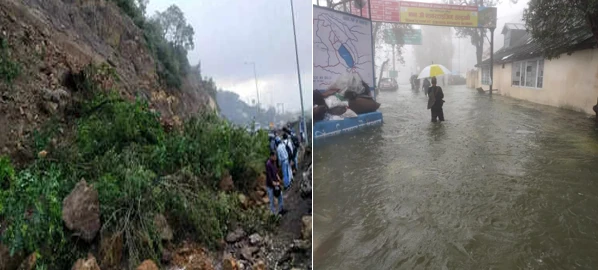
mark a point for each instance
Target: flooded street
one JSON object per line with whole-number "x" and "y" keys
{"x": 502, "y": 184}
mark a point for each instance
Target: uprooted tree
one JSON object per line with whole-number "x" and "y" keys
{"x": 556, "y": 22}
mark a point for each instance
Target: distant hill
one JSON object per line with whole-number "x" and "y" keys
{"x": 237, "y": 111}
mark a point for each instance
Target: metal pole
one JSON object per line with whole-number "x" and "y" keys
{"x": 256, "y": 89}
{"x": 491, "y": 59}
{"x": 373, "y": 49}
{"x": 393, "y": 57}
{"x": 299, "y": 73}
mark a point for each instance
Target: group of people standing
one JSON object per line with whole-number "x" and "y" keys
{"x": 284, "y": 150}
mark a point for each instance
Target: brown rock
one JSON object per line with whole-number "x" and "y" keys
{"x": 29, "y": 262}
{"x": 247, "y": 252}
{"x": 148, "y": 265}
{"x": 8, "y": 262}
{"x": 235, "y": 236}
{"x": 86, "y": 264}
{"x": 192, "y": 257}
{"x": 111, "y": 250}
{"x": 229, "y": 263}
{"x": 42, "y": 154}
{"x": 163, "y": 227}
{"x": 81, "y": 211}
{"x": 226, "y": 183}
{"x": 261, "y": 181}
{"x": 49, "y": 107}
{"x": 259, "y": 265}
{"x": 306, "y": 227}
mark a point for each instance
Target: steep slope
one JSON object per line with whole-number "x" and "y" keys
{"x": 51, "y": 39}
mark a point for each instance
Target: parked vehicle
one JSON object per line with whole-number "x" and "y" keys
{"x": 389, "y": 84}
{"x": 456, "y": 80}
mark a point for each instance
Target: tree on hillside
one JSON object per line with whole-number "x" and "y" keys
{"x": 142, "y": 4}
{"x": 556, "y": 22}
{"x": 175, "y": 28}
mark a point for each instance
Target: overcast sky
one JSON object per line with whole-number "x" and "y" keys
{"x": 229, "y": 33}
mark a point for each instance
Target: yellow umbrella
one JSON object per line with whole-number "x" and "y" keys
{"x": 433, "y": 71}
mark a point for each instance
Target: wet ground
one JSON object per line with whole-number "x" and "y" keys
{"x": 502, "y": 184}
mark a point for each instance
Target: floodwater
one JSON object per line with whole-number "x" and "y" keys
{"x": 502, "y": 184}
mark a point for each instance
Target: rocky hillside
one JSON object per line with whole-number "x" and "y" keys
{"x": 44, "y": 42}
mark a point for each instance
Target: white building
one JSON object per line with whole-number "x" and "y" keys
{"x": 570, "y": 81}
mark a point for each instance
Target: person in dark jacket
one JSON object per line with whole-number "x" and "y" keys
{"x": 273, "y": 184}
{"x": 426, "y": 85}
{"x": 435, "y": 102}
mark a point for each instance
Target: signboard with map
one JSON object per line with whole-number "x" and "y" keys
{"x": 342, "y": 43}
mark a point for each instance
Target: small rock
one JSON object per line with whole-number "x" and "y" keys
{"x": 307, "y": 227}
{"x": 259, "y": 265}
{"x": 243, "y": 200}
{"x": 255, "y": 239}
{"x": 235, "y": 236}
{"x": 163, "y": 227}
{"x": 166, "y": 256}
{"x": 42, "y": 154}
{"x": 266, "y": 200}
{"x": 229, "y": 263}
{"x": 49, "y": 107}
{"x": 247, "y": 252}
{"x": 81, "y": 211}
{"x": 147, "y": 265}
{"x": 86, "y": 264}
{"x": 29, "y": 262}
{"x": 226, "y": 183}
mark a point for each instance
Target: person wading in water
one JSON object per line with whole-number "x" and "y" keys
{"x": 435, "y": 102}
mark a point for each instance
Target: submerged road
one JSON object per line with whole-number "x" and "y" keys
{"x": 502, "y": 184}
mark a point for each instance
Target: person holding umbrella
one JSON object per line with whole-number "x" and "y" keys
{"x": 435, "y": 102}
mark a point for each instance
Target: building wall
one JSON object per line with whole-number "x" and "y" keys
{"x": 570, "y": 82}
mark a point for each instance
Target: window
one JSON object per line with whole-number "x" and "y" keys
{"x": 486, "y": 75}
{"x": 516, "y": 73}
{"x": 540, "y": 73}
{"x": 528, "y": 73}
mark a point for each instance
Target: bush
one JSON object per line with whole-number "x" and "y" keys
{"x": 9, "y": 70}
{"x": 32, "y": 210}
{"x": 139, "y": 171}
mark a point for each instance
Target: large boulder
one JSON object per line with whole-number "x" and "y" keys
{"x": 86, "y": 264}
{"x": 81, "y": 211}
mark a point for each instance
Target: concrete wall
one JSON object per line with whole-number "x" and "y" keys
{"x": 570, "y": 82}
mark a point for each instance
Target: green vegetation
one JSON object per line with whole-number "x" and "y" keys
{"x": 139, "y": 170}
{"x": 168, "y": 36}
{"x": 9, "y": 70}
{"x": 556, "y": 26}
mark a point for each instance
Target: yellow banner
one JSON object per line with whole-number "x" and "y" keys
{"x": 439, "y": 16}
